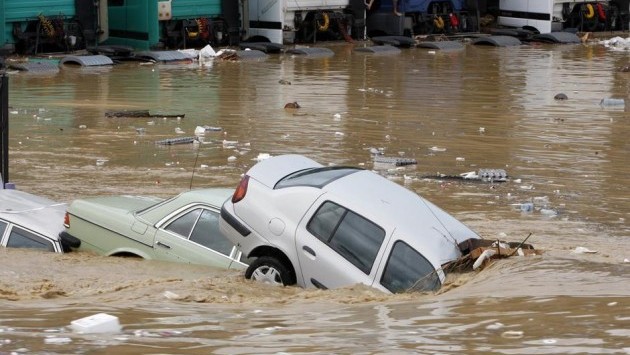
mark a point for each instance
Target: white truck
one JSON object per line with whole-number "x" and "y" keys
{"x": 546, "y": 16}
{"x": 288, "y": 21}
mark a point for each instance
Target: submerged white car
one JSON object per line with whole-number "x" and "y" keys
{"x": 30, "y": 221}
{"x": 333, "y": 226}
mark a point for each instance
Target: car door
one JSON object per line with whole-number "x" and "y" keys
{"x": 337, "y": 247}
{"x": 193, "y": 237}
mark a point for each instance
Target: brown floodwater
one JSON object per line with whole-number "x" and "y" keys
{"x": 454, "y": 112}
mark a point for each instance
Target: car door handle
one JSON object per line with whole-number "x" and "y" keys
{"x": 309, "y": 250}
{"x": 163, "y": 245}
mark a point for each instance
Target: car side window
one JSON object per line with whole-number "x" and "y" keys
{"x": 21, "y": 238}
{"x": 207, "y": 233}
{"x": 184, "y": 224}
{"x": 408, "y": 270}
{"x": 325, "y": 221}
{"x": 355, "y": 238}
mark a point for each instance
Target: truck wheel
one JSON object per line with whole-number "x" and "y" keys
{"x": 269, "y": 270}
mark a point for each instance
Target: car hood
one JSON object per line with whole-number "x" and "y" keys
{"x": 268, "y": 172}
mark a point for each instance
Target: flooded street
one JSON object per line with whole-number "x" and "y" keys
{"x": 454, "y": 112}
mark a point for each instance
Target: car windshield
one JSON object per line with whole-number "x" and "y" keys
{"x": 316, "y": 177}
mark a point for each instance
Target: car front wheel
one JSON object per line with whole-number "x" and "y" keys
{"x": 270, "y": 270}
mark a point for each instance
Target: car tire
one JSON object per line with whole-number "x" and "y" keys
{"x": 270, "y": 270}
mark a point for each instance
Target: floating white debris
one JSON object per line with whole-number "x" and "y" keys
{"x": 82, "y": 126}
{"x": 201, "y": 130}
{"x": 584, "y": 250}
{"x": 57, "y": 340}
{"x": 339, "y": 134}
{"x": 203, "y": 166}
{"x": 437, "y": 149}
{"x": 548, "y": 212}
{"x": 431, "y": 52}
{"x": 482, "y": 130}
{"x": 263, "y": 156}
{"x": 97, "y": 323}
{"x": 512, "y": 334}
{"x": 101, "y": 162}
{"x": 171, "y": 295}
{"x": 14, "y": 112}
{"x": 207, "y": 52}
{"x": 179, "y": 130}
{"x": 337, "y": 116}
{"x": 231, "y": 158}
{"x": 460, "y": 159}
{"x": 495, "y": 326}
{"x": 517, "y": 181}
{"x": 485, "y": 255}
{"x": 229, "y": 144}
{"x": 469, "y": 175}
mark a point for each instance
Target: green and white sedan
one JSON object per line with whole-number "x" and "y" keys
{"x": 184, "y": 228}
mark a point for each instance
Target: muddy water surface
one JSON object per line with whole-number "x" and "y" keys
{"x": 453, "y": 112}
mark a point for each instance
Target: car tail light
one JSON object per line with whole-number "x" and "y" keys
{"x": 241, "y": 190}
{"x": 66, "y": 220}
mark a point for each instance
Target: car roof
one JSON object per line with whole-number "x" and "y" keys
{"x": 212, "y": 196}
{"x": 36, "y": 213}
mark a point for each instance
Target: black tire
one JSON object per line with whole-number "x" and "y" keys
{"x": 269, "y": 269}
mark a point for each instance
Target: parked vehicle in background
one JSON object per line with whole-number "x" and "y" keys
{"x": 333, "y": 226}
{"x": 30, "y": 221}
{"x": 184, "y": 228}
{"x": 420, "y": 17}
{"x": 290, "y": 21}
{"x": 546, "y": 16}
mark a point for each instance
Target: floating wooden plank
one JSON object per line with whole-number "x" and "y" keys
{"x": 396, "y": 161}
{"x": 174, "y": 141}
{"x": 139, "y": 113}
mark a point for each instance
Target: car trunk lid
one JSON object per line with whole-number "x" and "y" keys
{"x": 269, "y": 172}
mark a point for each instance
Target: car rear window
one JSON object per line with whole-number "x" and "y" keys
{"x": 316, "y": 177}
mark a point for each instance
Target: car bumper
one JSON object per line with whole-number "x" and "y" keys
{"x": 234, "y": 222}
{"x": 68, "y": 241}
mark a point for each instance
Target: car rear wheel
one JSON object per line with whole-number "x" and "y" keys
{"x": 269, "y": 270}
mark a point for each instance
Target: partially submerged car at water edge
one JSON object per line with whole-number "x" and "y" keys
{"x": 334, "y": 226}
{"x": 184, "y": 228}
{"x": 30, "y": 221}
